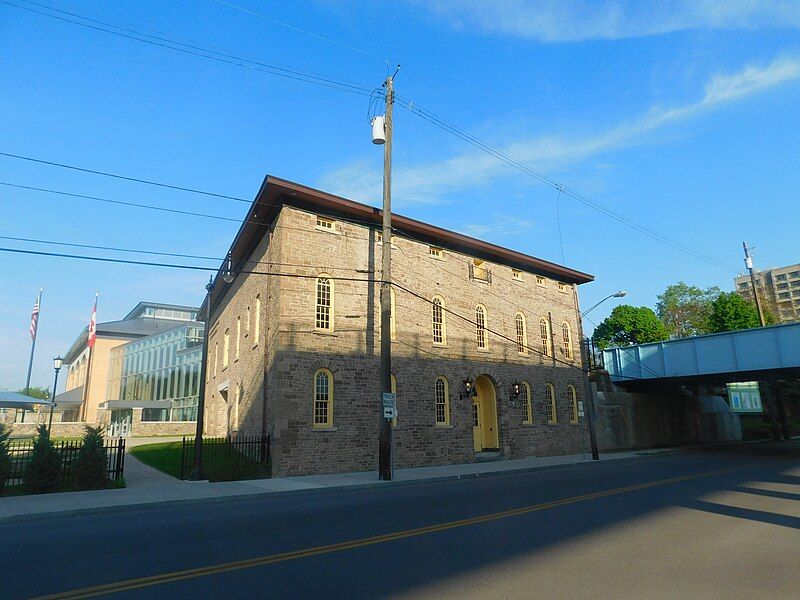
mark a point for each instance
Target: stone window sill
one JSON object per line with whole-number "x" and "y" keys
{"x": 443, "y": 426}
{"x": 324, "y": 429}
{"x": 552, "y": 422}
{"x": 528, "y": 423}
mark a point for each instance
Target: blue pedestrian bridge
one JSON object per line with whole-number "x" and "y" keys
{"x": 746, "y": 355}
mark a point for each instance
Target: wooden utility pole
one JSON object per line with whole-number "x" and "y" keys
{"x": 748, "y": 262}
{"x": 385, "y": 435}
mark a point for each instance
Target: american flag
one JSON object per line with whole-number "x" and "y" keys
{"x": 34, "y": 319}
{"x": 93, "y": 324}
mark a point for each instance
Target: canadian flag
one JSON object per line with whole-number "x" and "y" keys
{"x": 93, "y": 324}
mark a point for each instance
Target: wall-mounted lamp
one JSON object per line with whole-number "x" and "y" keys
{"x": 513, "y": 393}
{"x": 468, "y": 390}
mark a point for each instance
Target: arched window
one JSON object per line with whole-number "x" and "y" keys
{"x": 226, "y": 346}
{"x": 480, "y": 326}
{"x": 527, "y": 401}
{"x": 247, "y": 321}
{"x": 442, "y": 401}
{"x": 544, "y": 332}
{"x": 323, "y": 398}
{"x": 522, "y": 335}
{"x": 572, "y": 396}
{"x": 439, "y": 328}
{"x": 550, "y": 394}
{"x": 324, "y": 314}
{"x": 216, "y": 357}
{"x": 566, "y": 340}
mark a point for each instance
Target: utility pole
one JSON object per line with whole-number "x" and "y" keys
{"x": 748, "y": 262}
{"x": 385, "y": 434}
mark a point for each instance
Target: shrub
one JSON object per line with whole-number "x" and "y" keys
{"x": 43, "y": 471}
{"x": 5, "y": 456}
{"x": 89, "y": 468}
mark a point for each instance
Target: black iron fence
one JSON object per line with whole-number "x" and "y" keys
{"x": 21, "y": 453}
{"x": 593, "y": 355}
{"x": 228, "y": 458}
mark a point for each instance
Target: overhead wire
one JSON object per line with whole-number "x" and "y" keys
{"x": 171, "y": 44}
{"x": 513, "y": 162}
{"x": 305, "y": 31}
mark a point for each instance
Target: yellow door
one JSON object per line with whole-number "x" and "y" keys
{"x": 477, "y": 430}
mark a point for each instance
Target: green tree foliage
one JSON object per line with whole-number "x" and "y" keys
{"x": 40, "y": 393}
{"x": 43, "y": 471}
{"x": 685, "y": 309}
{"x": 630, "y": 325}
{"x": 89, "y": 468}
{"x": 5, "y": 456}
{"x": 730, "y": 312}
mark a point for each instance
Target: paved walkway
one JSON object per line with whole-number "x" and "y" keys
{"x": 149, "y": 491}
{"x": 138, "y": 474}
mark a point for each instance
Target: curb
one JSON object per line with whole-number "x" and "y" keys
{"x": 121, "y": 508}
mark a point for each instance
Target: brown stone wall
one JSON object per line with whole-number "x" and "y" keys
{"x": 295, "y": 350}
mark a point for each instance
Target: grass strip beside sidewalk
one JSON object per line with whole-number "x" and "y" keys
{"x": 230, "y": 465}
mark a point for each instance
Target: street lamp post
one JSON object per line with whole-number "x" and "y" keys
{"x": 587, "y": 384}
{"x": 57, "y": 362}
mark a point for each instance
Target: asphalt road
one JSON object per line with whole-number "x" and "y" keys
{"x": 716, "y": 524}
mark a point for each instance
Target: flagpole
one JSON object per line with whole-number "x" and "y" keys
{"x": 33, "y": 346}
{"x": 91, "y": 354}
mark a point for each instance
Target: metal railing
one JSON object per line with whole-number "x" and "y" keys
{"x": 22, "y": 452}
{"x": 231, "y": 457}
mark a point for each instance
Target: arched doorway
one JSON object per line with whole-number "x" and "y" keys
{"x": 484, "y": 416}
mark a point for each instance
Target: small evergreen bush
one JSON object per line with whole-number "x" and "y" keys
{"x": 89, "y": 468}
{"x": 5, "y": 456}
{"x": 43, "y": 471}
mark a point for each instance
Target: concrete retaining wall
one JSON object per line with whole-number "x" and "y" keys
{"x": 628, "y": 421}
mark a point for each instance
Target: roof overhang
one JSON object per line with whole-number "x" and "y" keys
{"x": 20, "y": 401}
{"x": 276, "y": 192}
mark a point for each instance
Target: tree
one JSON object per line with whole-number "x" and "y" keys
{"x": 630, "y": 325}
{"x": 43, "y": 471}
{"x": 5, "y": 456}
{"x": 40, "y": 393}
{"x": 685, "y": 309}
{"x": 730, "y": 312}
{"x": 91, "y": 464}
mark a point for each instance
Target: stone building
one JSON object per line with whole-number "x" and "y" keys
{"x": 294, "y": 340}
{"x": 778, "y": 290}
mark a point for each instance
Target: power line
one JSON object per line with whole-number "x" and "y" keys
{"x": 287, "y": 275}
{"x": 123, "y": 177}
{"x": 199, "y": 51}
{"x": 170, "y": 254}
{"x": 511, "y": 161}
{"x": 177, "y": 266}
{"x": 305, "y": 31}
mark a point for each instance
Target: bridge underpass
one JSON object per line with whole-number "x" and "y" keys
{"x": 671, "y": 369}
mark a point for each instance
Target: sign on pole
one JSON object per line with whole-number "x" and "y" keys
{"x": 389, "y": 405}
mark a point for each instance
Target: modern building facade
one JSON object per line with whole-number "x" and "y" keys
{"x": 142, "y": 374}
{"x": 294, "y": 340}
{"x": 779, "y": 289}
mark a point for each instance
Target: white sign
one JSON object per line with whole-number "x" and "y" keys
{"x": 389, "y": 405}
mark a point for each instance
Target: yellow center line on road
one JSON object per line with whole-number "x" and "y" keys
{"x": 141, "y": 582}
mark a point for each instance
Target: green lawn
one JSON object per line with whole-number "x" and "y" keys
{"x": 219, "y": 464}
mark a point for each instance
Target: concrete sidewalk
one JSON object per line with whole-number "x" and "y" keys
{"x": 18, "y": 508}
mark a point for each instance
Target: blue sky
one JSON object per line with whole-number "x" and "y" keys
{"x": 679, "y": 115}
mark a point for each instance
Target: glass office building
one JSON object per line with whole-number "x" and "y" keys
{"x": 159, "y": 373}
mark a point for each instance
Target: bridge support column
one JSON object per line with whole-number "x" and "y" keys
{"x": 781, "y": 410}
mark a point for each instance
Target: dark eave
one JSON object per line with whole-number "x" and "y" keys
{"x": 276, "y": 192}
